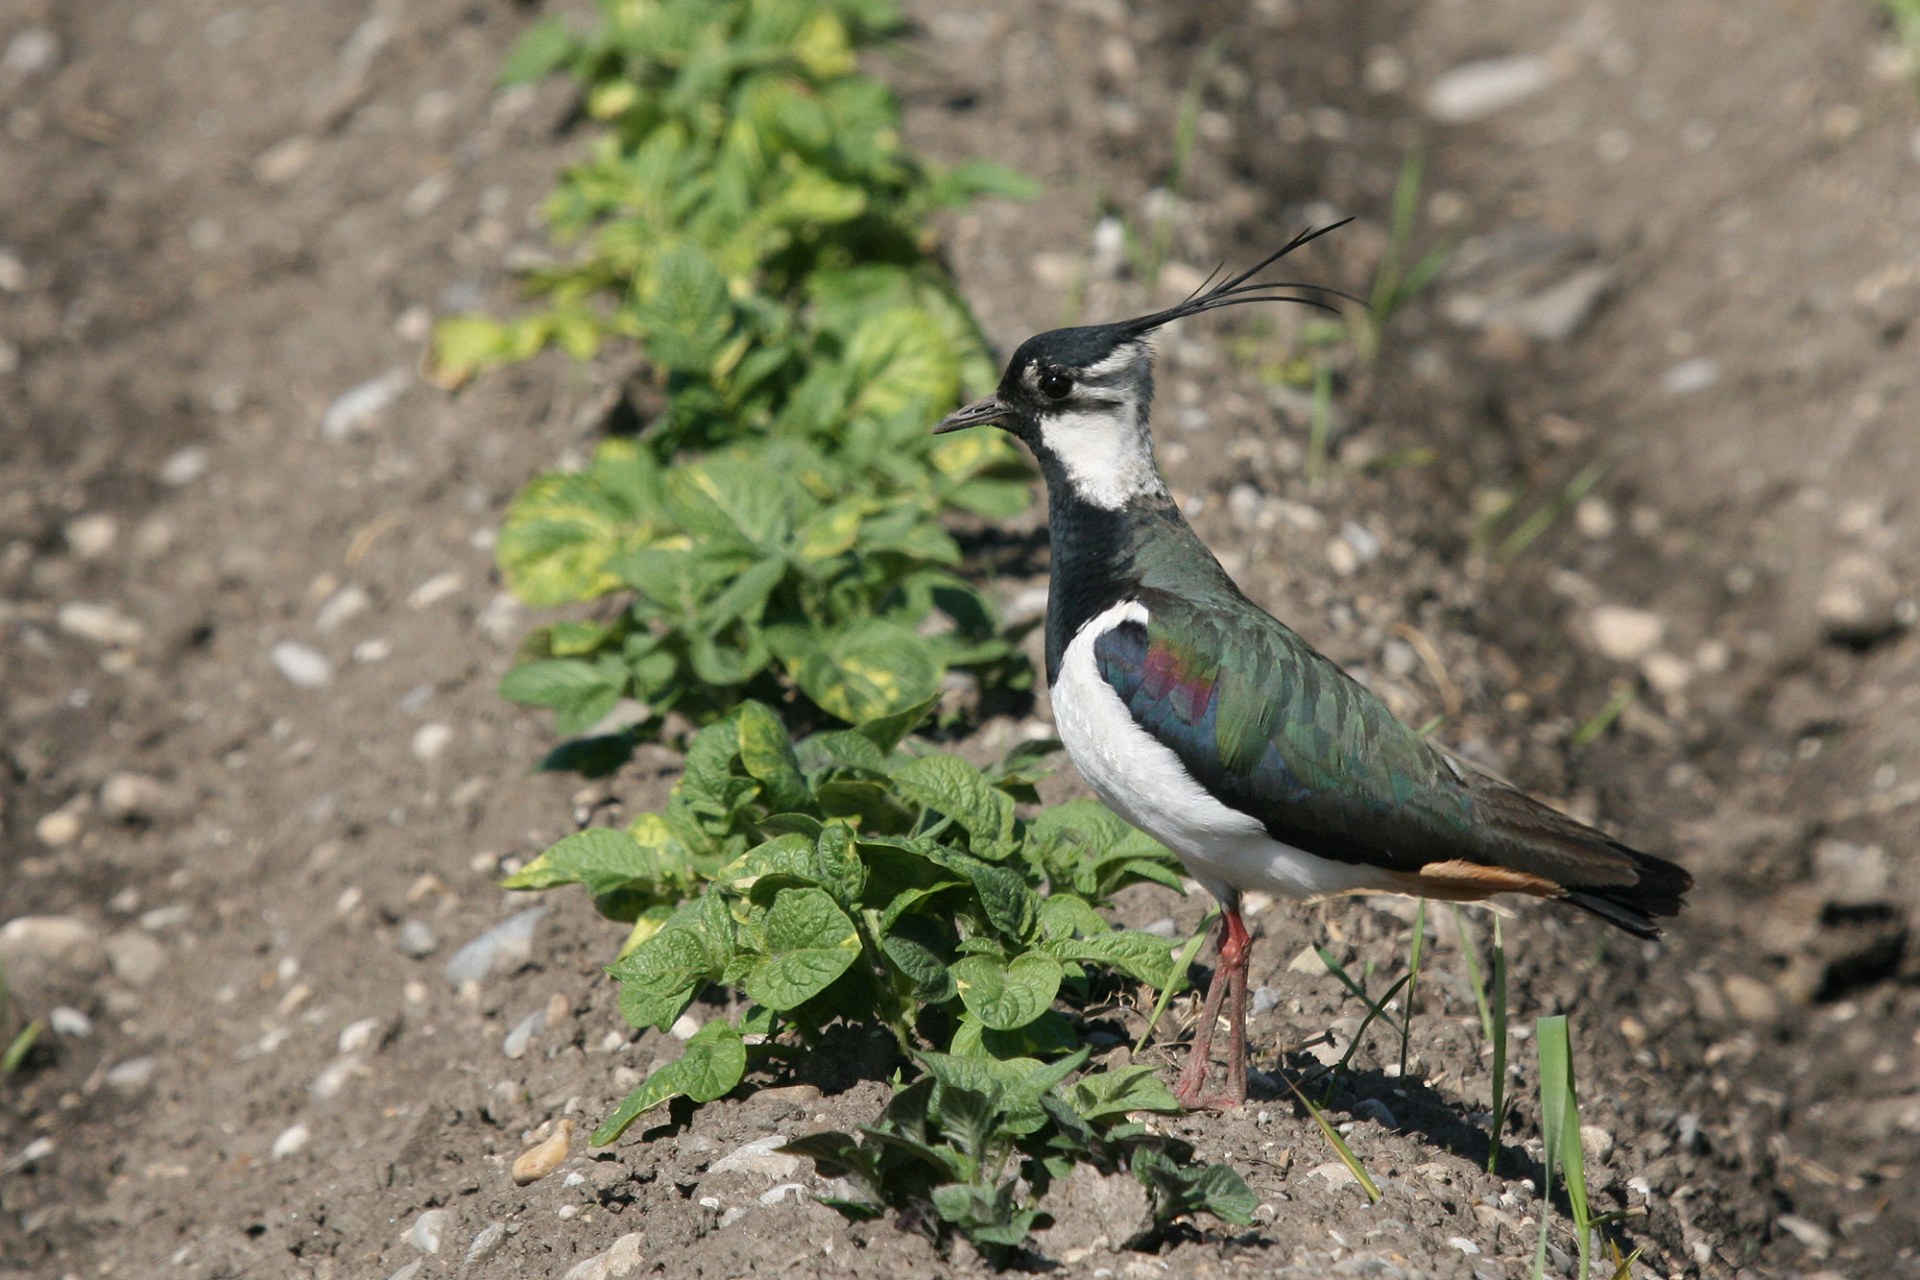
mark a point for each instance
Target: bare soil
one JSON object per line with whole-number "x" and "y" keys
{"x": 1688, "y": 255}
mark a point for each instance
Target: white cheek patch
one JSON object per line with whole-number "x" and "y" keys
{"x": 1106, "y": 455}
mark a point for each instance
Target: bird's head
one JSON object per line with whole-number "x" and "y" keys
{"x": 1080, "y": 397}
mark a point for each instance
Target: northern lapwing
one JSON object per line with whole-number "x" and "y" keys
{"x": 1204, "y": 721}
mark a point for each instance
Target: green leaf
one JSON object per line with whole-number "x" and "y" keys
{"x": 600, "y": 858}
{"x": 563, "y": 531}
{"x": 578, "y": 692}
{"x": 917, "y": 947}
{"x": 688, "y": 317}
{"x": 660, "y": 976}
{"x": 886, "y": 732}
{"x": 1144, "y": 957}
{"x": 767, "y": 753}
{"x": 954, "y": 787}
{"x": 867, "y": 669}
{"x": 1005, "y": 997}
{"x": 713, "y": 1065}
{"x": 545, "y": 48}
{"x": 1179, "y": 1190}
{"x": 1106, "y": 1095}
{"x": 810, "y": 941}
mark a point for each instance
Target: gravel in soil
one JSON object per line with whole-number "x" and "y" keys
{"x": 259, "y": 789}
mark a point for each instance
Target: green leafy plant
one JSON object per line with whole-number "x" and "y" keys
{"x": 748, "y": 571}
{"x": 750, "y": 218}
{"x": 853, "y": 878}
{"x": 974, "y": 1144}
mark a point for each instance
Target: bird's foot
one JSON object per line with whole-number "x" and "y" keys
{"x": 1225, "y": 1100}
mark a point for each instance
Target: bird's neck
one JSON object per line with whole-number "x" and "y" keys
{"x": 1102, "y": 555}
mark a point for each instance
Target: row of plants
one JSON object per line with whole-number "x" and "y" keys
{"x": 770, "y": 559}
{"x": 750, "y": 218}
{"x": 773, "y": 563}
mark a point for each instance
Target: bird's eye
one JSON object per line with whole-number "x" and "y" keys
{"x": 1056, "y": 384}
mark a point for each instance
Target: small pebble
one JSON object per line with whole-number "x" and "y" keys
{"x": 523, "y": 1033}
{"x": 92, "y": 536}
{"x": 428, "y": 1230}
{"x": 417, "y": 939}
{"x": 292, "y": 1140}
{"x": 486, "y": 1243}
{"x": 185, "y": 466}
{"x": 69, "y": 1021}
{"x": 541, "y": 1159}
{"x": 1859, "y": 601}
{"x": 1476, "y": 90}
{"x": 1689, "y": 376}
{"x": 759, "y": 1156}
{"x": 357, "y": 408}
{"x": 302, "y": 665}
{"x": 334, "y": 1076}
{"x": 358, "y": 1036}
{"x": 134, "y": 1073}
{"x": 507, "y": 945}
{"x": 136, "y": 957}
{"x": 684, "y": 1027}
{"x": 101, "y": 623}
{"x": 346, "y": 603}
{"x": 622, "y": 1260}
{"x": 58, "y": 829}
{"x": 435, "y": 589}
{"x": 133, "y": 797}
{"x": 409, "y": 1272}
{"x": 1623, "y": 634}
{"x": 430, "y": 739}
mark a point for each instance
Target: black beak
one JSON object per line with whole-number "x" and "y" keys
{"x": 985, "y": 412}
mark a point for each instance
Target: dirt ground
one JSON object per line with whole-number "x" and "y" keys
{"x": 257, "y": 787}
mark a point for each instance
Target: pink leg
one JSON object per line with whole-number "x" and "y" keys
{"x": 1235, "y": 946}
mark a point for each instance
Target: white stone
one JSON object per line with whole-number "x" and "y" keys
{"x": 428, "y": 1230}
{"x": 759, "y": 1156}
{"x": 100, "y": 623}
{"x": 184, "y": 466}
{"x": 1624, "y": 634}
{"x": 302, "y": 665}
{"x": 360, "y": 1035}
{"x": 134, "y": 1073}
{"x": 430, "y": 739}
{"x": 355, "y": 409}
{"x": 1476, "y": 90}
{"x": 508, "y": 944}
{"x": 435, "y": 589}
{"x": 342, "y": 605}
{"x": 292, "y": 1140}
{"x": 1689, "y": 376}
{"x": 92, "y": 536}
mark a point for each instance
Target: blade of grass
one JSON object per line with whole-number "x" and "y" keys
{"x": 1560, "y": 1128}
{"x": 1589, "y": 733}
{"x": 20, "y": 1047}
{"x": 1340, "y": 1147}
{"x": 1499, "y": 1003}
{"x": 1413, "y": 981}
{"x": 1187, "y": 953}
{"x": 1471, "y": 955}
{"x": 1375, "y": 1008}
{"x": 1548, "y": 514}
{"x": 1320, "y": 419}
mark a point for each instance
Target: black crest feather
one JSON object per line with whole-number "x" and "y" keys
{"x": 1244, "y": 288}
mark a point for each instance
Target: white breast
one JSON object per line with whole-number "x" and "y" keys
{"x": 1144, "y": 782}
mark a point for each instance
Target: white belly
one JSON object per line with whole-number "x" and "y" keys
{"x": 1144, "y": 782}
